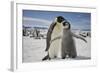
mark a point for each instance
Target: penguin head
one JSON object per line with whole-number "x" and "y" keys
{"x": 63, "y": 22}
{"x": 66, "y": 25}
{"x": 60, "y": 19}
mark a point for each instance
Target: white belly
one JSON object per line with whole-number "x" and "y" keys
{"x": 55, "y": 46}
{"x": 55, "y": 49}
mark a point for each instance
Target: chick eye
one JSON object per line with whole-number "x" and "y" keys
{"x": 64, "y": 24}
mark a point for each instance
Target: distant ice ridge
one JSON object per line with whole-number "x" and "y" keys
{"x": 35, "y": 22}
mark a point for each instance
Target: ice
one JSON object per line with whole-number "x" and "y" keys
{"x": 34, "y": 49}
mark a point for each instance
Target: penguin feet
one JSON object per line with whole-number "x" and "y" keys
{"x": 73, "y": 56}
{"x": 63, "y": 57}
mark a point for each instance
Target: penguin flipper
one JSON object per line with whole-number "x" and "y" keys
{"x": 45, "y": 58}
{"x": 49, "y": 35}
{"x": 79, "y": 37}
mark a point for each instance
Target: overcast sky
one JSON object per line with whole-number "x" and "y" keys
{"x": 77, "y": 20}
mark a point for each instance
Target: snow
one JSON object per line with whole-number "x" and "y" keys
{"x": 34, "y": 49}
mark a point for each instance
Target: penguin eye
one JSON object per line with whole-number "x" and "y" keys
{"x": 64, "y": 24}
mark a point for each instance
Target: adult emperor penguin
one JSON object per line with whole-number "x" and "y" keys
{"x": 60, "y": 41}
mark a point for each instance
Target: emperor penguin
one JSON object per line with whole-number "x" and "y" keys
{"x": 60, "y": 42}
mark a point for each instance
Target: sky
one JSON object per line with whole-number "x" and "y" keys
{"x": 34, "y": 18}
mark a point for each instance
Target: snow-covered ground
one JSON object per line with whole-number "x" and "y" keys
{"x": 34, "y": 49}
